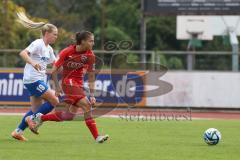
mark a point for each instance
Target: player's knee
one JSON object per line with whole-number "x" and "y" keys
{"x": 34, "y": 108}
{"x": 54, "y": 102}
{"x": 86, "y": 107}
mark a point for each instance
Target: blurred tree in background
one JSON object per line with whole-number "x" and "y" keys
{"x": 119, "y": 20}
{"x": 14, "y": 35}
{"x": 109, "y": 20}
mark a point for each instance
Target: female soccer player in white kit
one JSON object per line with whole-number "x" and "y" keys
{"x": 37, "y": 56}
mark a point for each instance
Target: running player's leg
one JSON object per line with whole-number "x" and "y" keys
{"x": 40, "y": 89}
{"x": 35, "y": 102}
{"x": 69, "y": 115}
{"x": 51, "y": 102}
{"x": 18, "y": 132}
{"x": 89, "y": 120}
{"x": 61, "y": 115}
{"x": 57, "y": 116}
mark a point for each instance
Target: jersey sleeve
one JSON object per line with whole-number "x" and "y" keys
{"x": 61, "y": 57}
{"x": 33, "y": 47}
{"x": 91, "y": 63}
{"x": 52, "y": 56}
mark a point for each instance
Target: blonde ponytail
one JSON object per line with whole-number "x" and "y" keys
{"x": 26, "y": 22}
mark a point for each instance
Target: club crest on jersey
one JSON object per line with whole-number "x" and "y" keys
{"x": 84, "y": 59}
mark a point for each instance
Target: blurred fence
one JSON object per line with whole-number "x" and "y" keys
{"x": 127, "y": 59}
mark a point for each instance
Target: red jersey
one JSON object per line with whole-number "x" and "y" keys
{"x": 75, "y": 64}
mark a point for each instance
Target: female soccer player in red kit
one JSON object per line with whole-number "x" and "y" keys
{"x": 75, "y": 60}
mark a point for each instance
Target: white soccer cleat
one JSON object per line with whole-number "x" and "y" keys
{"x": 101, "y": 139}
{"x": 34, "y": 122}
{"x": 31, "y": 124}
{"x": 37, "y": 120}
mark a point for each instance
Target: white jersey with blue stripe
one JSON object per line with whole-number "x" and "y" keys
{"x": 41, "y": 54}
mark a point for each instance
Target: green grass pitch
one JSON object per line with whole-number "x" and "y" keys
{"x": 129, "y": 140}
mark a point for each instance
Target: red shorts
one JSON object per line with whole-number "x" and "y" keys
{"x": 73, "y": 90}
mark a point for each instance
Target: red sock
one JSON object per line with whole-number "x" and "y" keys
{"x": 55, "y": 116}
{"x": 91, "y": 124}
{"x": 58, "y": 116}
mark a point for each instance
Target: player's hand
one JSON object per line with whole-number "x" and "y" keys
{"x": 37, "y": 66}
{"x": 92, "y": 100}
{"x": 59, "y": 92}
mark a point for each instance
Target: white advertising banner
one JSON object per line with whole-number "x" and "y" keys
{"x": 199, "y": 89}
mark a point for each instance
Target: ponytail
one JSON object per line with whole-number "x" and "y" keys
{"x": 26, "y": 22}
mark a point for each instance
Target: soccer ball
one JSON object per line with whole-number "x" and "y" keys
{"x": 212, "y": 136}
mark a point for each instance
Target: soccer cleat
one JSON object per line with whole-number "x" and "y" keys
{"x": 37, "y": 120}
{"x": 101, "y": 139}
{"x": 31, "y": 124}
{"x": 19, "y": 136}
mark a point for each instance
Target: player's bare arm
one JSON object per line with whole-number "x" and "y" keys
{"x": 25, "y": 56}
{"x": 58, "y": 89}
{"x": 91, "y": 83}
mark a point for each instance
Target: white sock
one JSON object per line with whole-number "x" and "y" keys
{"x": 18, "y": 130}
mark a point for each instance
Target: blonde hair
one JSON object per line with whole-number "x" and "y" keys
{"x": 26, "y": 22}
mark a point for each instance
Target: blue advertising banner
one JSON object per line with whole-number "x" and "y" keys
{"x": 111, "y": 89}
{"x": 12, "y": 90}
{"x": 119, "y": 88}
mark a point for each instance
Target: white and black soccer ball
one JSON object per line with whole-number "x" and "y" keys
{"x": 212, "y": 136}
